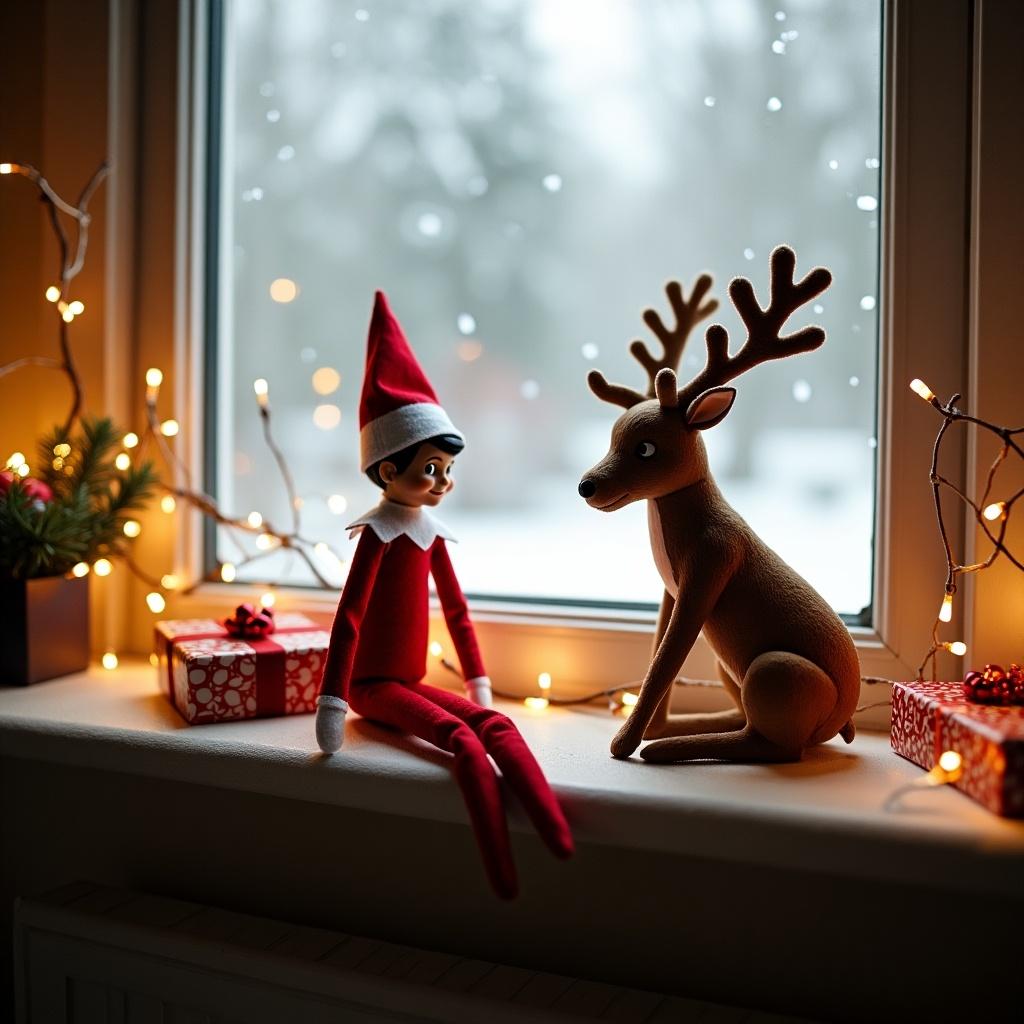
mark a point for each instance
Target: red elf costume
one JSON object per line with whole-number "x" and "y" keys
{"x": 378, "y": 653}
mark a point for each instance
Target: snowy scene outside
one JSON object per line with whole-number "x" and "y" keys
{"x": 522, "y": 177}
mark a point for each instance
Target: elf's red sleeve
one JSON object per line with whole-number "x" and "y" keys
{"x": 351, "y": 608}
{"x": 456, "y": 612}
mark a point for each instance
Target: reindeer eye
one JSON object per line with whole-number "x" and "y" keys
{"x": 645, "y": 450}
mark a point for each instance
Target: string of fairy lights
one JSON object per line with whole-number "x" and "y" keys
{"x": 159, "y": 435}
{"x": 991, "y": 516}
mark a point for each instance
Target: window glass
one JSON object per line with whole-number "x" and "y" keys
{"x": 522, "y": 177}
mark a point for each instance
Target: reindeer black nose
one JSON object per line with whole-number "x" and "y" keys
{"x": 587, "y": 488}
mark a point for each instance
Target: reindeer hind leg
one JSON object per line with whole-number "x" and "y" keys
{"x": 741, "y": 745}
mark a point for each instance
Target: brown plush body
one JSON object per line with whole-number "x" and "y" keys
{"x": 784, "y": 655}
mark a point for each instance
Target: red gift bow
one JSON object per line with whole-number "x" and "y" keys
{"x": 250, "y": 622}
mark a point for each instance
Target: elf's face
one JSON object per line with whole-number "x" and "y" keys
{"x": 426, "y": 480}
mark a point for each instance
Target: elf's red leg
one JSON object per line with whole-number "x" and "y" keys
{"x": 400, "y": 706}
{"x": 519, "y": 767}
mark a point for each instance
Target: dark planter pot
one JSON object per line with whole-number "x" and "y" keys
{"x": 44, "y": 629}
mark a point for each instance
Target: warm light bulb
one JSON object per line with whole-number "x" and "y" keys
{"x": 8, "y": 168}
{"x": 156, "y": 602}
{"x": 62, "y": 451}
{"x": 227, "y": 572}
{"x": 168, "y": 504}
{"x": 629, "y": 700}
{"x": 262, "y": 389}
{"x": 22, "y": 470}
{"x": 283, "y": 289}
{"x": 77, "y": 307}
{"x": 109, "y": 660}
{"x": 132, "y": 528}
{"x": 946, "y": 608}
{"x": 536, "y": 703}
{"x": 326, "y": 380}
{"x": 255, "y": 520}
{"x": 950, "y": 761}
{"x": 919, "y": 387}
{"x": 130, "y": 440}
{"x": 102, "y": 567}
{"x": 544, "y": 680}
{"x": 337, "y": 504}
{"x": 266, "y": 541}
{"x": 154, "y": 377}
{"x": 67, "y": 316}
{"x": 80, "y": 569}
{"x": 957, "y": 647}
{"x": 52, "y": 293}
{"x": 436, "y": 650}
{"x": 170, "y": 581}
{"x": 169, "y": 428}
{"x": 154, "y": 660}
{"x": 994, "y": 511}
{"x": 123, "y": 461}
{"x": 268, "y": 599}
{"x": 17, "y": 459}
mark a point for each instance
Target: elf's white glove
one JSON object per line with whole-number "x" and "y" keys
{"x": 330, "y": 723}
{"x": 478, "y": 690}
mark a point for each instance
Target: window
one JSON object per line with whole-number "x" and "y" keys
{"x": 522, "y": 180}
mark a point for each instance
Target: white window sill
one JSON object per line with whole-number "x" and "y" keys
{"x": 828, "y": 810}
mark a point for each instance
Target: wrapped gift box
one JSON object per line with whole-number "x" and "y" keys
{"x": 211, "y": 676}
{"x": 928, "y": 718}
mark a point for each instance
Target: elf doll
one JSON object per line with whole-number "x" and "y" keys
{"x": 377, "y": 658}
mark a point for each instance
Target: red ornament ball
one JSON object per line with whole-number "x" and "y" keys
{"x": 995, "y": 685}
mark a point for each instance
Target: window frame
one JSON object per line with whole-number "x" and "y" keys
{"x": 924, "y": 302}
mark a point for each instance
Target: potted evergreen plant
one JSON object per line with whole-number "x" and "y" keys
{"x": 54, "y": 527}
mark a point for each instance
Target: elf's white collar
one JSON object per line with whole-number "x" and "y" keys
{"x": 389, "y": 520}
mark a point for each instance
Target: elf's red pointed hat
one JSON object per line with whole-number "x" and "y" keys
{"x": 398, "y": 406}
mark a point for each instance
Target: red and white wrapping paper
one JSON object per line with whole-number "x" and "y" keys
{"x": 210, "y": 676}
{"x": 929, "y": 718}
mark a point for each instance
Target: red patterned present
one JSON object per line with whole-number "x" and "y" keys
{"x": 211, "y": 676}
{"x": 928, "y": 718}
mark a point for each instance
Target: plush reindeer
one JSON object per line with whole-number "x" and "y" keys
{"x": 784, "y": 656}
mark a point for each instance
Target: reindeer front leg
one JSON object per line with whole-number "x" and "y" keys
{"x": 686, "y": 619}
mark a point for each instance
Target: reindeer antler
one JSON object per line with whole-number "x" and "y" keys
{"x": 763, "y": 342}
{"x": 688, "y": 314}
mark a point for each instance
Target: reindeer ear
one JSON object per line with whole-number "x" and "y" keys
{"x": 710, "y": 408}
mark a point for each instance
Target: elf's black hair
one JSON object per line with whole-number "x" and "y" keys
{"x": 450, "y": 444}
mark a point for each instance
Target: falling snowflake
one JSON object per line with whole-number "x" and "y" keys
{"x": 252, "y": 195}
{"x": 854, "y": 382}
{"x": 790, "y": 35}
{"x": 273, "y": 116}
{"x": 871, "y": 163}
{"x": 774, "y": 104}
{"x": 801, "y": 391}
{"x": 868, "y": 302}
{"x": 429, "y": 224}
{"x": 872, "y": 442}
{"x": 362, "y": 14}
{"x": 819, "y": 308}
{"x": 552, "y": 182}
{"x": 748, "y": 254}
{"x": 867, "y": 203}
{"x": 285, "y": 153}
{"x": 589, "y": 350}
{"x": 833, "y": 165}
{"x": 466, "y": 323}
{"x": 709, "y": 101}
{"x": 778, "y": 47}
{"x": 780, "y": 15}
{"x": 267, "y": 89}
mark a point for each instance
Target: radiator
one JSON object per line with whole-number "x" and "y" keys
{"x": 96, "y": 955}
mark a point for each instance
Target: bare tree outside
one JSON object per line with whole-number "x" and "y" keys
{"x": 522, "y": 177}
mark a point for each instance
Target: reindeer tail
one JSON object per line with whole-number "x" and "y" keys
{"x": 848, "y": 731}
